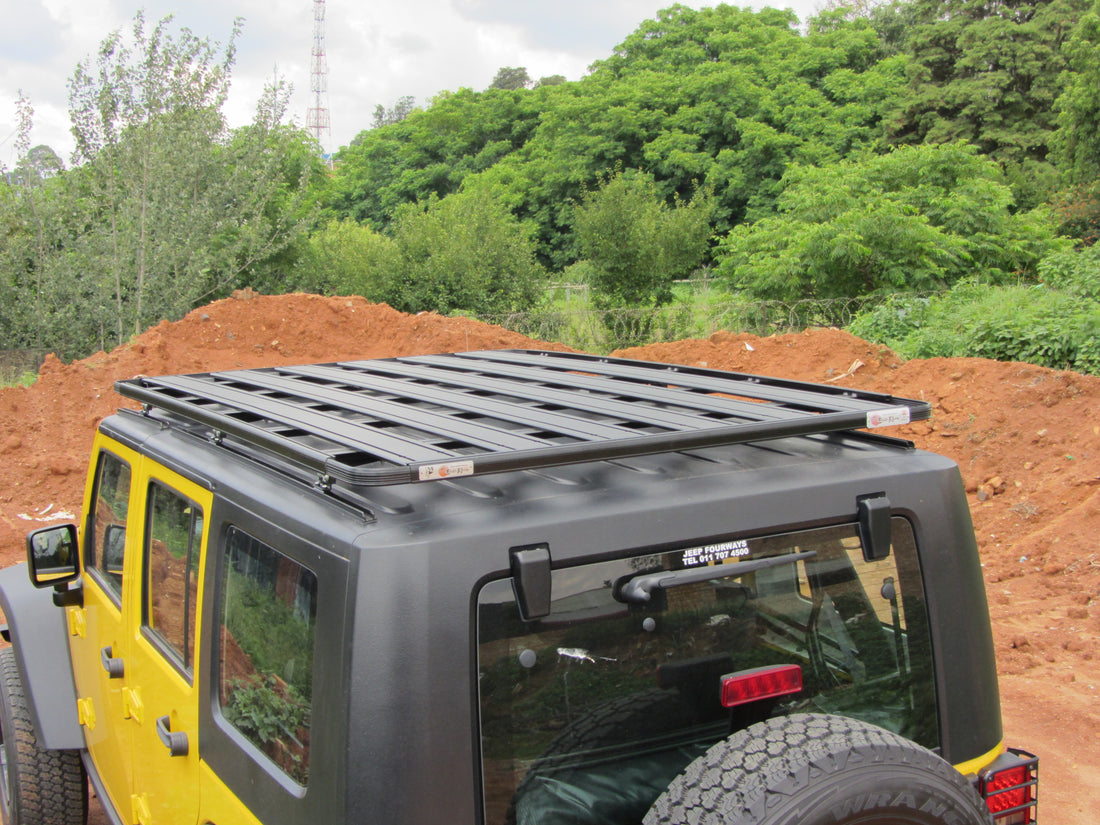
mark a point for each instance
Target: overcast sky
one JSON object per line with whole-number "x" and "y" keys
{"x": 376, "y": 51}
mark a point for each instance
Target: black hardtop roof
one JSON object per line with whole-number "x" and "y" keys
{"x": 424, "y": 418}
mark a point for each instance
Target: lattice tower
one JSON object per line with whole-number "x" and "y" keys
{"x": 317, "y": 118}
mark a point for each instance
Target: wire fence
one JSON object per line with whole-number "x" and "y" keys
{"x": 16, "y": 363}
{"x": 605, "y": 330}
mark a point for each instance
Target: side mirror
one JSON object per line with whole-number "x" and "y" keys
{"x": 52, "y": 557}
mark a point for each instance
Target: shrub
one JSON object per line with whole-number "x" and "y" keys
{"x": 1036, "y": 324}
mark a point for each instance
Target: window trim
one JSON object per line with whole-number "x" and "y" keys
{"x": 148, "y": 632}
{"x": 90, "y": 563}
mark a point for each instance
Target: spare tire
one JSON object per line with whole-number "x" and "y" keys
{"x": 810, "y": 769}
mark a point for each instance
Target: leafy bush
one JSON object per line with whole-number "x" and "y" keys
{"x": 1035, "y": 324}
{"x": 1077, "y": 273}
{"x": 341, "y": 258}
{"x": 635, "y": 244}
{"x": 265, "y": 710}
{"x": 918, "y": 218}
{"x": 464, "y": 252}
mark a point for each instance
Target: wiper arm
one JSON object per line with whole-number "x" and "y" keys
{"x": 639, "y": 589}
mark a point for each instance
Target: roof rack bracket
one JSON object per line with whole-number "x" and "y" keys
{"x": 874, "y": 526}
{"x": 531, "y": 580}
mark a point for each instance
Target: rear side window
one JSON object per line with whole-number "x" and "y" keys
{"x": 266, "y": 642}
{"x": 105, "y": 552}
{"x": 173, "y": 544}
{"x": 588, "y": 714}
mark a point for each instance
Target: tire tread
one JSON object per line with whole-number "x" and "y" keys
{"x": 51, "y": 787}
{"x": 737, "y": 779}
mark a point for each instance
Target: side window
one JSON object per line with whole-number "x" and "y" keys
{"x": 267, "y": 621}
{"x": 172, "y": 547}
{"x": 107, "y": 531}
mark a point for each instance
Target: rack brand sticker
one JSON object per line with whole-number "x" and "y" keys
{"x": 889, "y": 417}
{"x": 451, "y": 469}
{"x": 710, "y": 553}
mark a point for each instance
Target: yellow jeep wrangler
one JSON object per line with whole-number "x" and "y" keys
{"x": 506, "y": 588}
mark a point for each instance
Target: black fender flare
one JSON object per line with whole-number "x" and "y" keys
{"x": 40, "y": 640}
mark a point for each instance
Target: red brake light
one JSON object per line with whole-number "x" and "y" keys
{"x": 760, "y": 683}
{"x": 1009, "y": 788}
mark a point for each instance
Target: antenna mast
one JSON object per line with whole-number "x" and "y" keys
{"x": 317, "y": 118}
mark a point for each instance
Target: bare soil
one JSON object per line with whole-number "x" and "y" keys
{"x": 1026, "y": 438}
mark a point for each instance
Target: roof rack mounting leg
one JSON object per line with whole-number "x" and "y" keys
{"x": 874, "y": 526}
{"x": 531, "y": 577}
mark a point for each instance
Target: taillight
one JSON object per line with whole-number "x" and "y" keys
{"x": 760, "y": 683}
{"x": 1010, "y": 788}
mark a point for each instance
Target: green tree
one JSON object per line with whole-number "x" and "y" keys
{"x": 722, "y": 96}
{"x": 344, "y": 258}
{"x": 166, "y": 209}
{"x": 511, "y": 78}
{"x": 464, "y": 253}
{"x": 989, "y": 73}
{"x": 636, "y": 245}
{"x": 1077, "y": 140}
{"x": 386, "y": 117}
{"x": 186, "y": 207}
{"x": 918, "y": 218}
{"x": 430, "y": 152}
{"x": 44, "y": 298}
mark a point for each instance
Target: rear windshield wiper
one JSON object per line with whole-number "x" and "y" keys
{"x": 638, "y": 589}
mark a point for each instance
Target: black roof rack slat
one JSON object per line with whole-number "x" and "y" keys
{"x": 778, "y": 390}
{"x": 355, "y": 373}
{"x": 503, "y": 382}
{"x": 340, "y": 433}
{"x": 443, "y": 427}
{"x": 496, "y": 376}
{"x": 432, "y": 417}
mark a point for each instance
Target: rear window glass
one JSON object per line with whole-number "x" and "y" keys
{"x": 587, "y": 715}
{"x": 266, "y": 643}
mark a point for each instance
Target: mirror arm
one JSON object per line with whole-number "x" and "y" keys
{"x": 64, "y": 596}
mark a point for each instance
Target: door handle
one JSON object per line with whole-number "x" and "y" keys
{"x": 175, "y": 741}
{"x": 113, "y": 666}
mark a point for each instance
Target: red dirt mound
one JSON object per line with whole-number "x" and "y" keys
{"x": 1027, "y": 440}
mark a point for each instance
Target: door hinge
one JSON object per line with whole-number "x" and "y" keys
{"x": 78, "y": 622}
{"x": 132, "y": 706}
{"x": 85, "y": 713}
{"x": 139, "y": 809}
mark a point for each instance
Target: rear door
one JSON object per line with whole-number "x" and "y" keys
{"x": 166, "y": 629}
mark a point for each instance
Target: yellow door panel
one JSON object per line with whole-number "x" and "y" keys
{"x": 97, "y": 638}
{"x": 219, "y": 804}
{"x": 164, "y": 642}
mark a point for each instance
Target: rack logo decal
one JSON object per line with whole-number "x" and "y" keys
{"x": 450, "y": 469}
{"x": 889, "y": 417}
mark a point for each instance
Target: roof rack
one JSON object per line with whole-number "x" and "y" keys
{"x": 423, "y": 418}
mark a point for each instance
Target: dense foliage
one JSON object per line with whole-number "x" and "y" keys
{"x": 918, "y": 218}
{"x": 907, "y": 146}
{"x": 1032, "y": 323}
{"x": 723, "y": 98}
{"x": 989, "y": 73}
